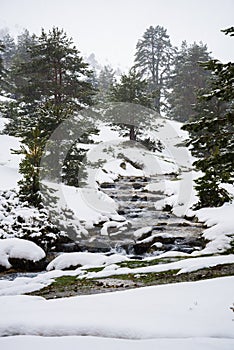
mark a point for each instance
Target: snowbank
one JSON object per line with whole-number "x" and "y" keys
{"x": 114, "y": 156}
{"x": 181, "y": 195}
{"x": 98, "y": 343}
{"x": 88, "y": 204}
{"x": 183, "y": 266}
{"x": 68, "y": 260}
{"x": 9, "y": 163}
{"x": 220, "y": 231}
{"x": 19, "y": 249}
{"x": 184, "y": 310}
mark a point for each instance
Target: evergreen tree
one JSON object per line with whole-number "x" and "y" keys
{"x": 10, "y": 49}
{"x": 31, "y": 149}
{"x": 56, "y": 72}
{"x": 212, "y": 134}
{"x": 4, "y": 75}
{"x": 52, "y": 87}
{"x": 131, "y": 89}
{"x": 153, "y": 59}
{"x": 25, "y": 42}
{"x": 22, "y": 56}
{"x": 105, "y": 82}
{"x": 187, "y": 77}
{"x": 1, "y": 67}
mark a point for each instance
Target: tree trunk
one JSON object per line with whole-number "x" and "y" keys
{"x": 132, "y": 134}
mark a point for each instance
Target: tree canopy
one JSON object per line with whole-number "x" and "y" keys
{"x": 212, "y": 134}
{"x": 153, "y": 59}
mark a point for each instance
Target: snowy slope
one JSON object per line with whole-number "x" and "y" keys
{"x": 184, "y": 310}
{"x": 98, "y": 343}
{"x": 114, "y": 156}
{"x": 9, "y": 163}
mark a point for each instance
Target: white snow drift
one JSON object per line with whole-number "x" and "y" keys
{"x": 183, "y": 310}
{"x": 20, "y": 249}
{"x": 68, "y": 260}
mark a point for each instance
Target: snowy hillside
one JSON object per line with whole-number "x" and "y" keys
{"x": 126, "y": 227}
{"x": 108, "y": 158}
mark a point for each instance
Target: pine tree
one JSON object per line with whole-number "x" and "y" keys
{"x": 105, "y": 82}
{"x": 22, "y": 56}
{"x": 10, "y": 49}
{"x": 153, "y": 59}
{"x": 25, "y": 42}
{"x": 131, "y": 89}
{"x": 1, "y": 67}
{"x": 212, "y": 134}
{"x": 56, "y": 72}
{"x": 187, "y": 77}
{"x": 32, "y": 149}
{"x": 53, "y": 86}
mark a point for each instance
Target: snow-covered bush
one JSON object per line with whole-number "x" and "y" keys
{"x": 18, "y": 219}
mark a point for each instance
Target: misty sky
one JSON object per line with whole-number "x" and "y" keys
{"x": 111, "y": 28}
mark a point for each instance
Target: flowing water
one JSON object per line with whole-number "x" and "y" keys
{"x": 136, "y": 204}
{"x": 164, "y": 231}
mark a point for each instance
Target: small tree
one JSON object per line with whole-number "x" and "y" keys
{"x": 131, "y": 89}
{"x": 105, "y": 82}
{"x": 212, "y": 134}
{"x": 32, "y": 150}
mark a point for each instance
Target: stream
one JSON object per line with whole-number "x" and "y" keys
{"x": 161, "y": 231}
{"x": 136, "y": 203}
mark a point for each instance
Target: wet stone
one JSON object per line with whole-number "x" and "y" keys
{"x": 137, "y": 206}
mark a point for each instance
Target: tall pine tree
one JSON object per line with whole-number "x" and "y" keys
{"x": 212, "y": 134}
{"x": 10, "y": 49}
{"x": 1, "y": 66}
{"x": 153, "y": 59}
{"x": 52, "y": 87}
{"x": 187, "y": 77}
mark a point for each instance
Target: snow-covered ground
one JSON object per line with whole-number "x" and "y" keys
{"x": 98, "y": 343}
{"x": 81, "y": 263}
{"x": 9, "y": 163}
{"x": 192, "y": 313}
{"x": 185, "y": 265}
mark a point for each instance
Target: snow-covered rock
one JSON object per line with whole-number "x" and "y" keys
{"x": 143, "y": 232}
{"x": 68, "y": 260}
{"x": 16, "y": 248}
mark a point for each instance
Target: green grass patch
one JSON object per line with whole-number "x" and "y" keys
{"x": 95, "y": 269}
{"x": 64, "y": 281}
{"x": 146, "y": 278}
{"x": 144, "y": 263}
